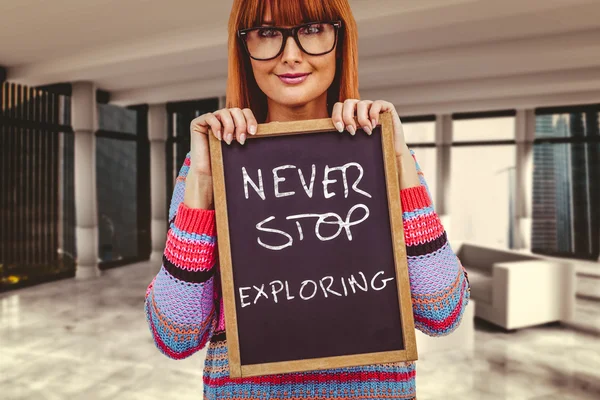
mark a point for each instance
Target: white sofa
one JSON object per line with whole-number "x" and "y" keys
{"x": 514, "y": 289}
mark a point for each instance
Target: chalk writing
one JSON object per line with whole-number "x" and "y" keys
{"x": 309, "y": 288}
{"x": 329, "y": 218}
{"x": 328, "y": 180}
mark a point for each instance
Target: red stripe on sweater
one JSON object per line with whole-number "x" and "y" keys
{"x": 171, "y": 353}
{"x": 191, "y": 256}
{"x": 422, "y": 229}
{"x": 414, "y": 198}
{"x": 195, "y": 220}
{"x": 310, "y": 377}
{"x": 447, "y": 322}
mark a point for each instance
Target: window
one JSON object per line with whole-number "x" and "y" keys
{"x": 481, "y": 194}
{"x": 122, "y": 185}
{"x": 566, "y": 182}
{"x": 419, "y": 132}
{"x": 37, "y": 210}
{"x": 498, "y": 126}
{"x": 117, "y": 119}
{"x": 482, "y": 178}
{"x": 116, "y": 163}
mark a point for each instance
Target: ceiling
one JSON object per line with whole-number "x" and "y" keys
{"x": 425, "y": 55}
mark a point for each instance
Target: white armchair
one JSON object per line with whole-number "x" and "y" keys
{"x": 514, "y": 289}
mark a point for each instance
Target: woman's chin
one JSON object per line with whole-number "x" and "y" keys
{"x": 294, "y": 100}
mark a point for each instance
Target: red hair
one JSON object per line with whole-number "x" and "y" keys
{"x": 242, "y": 90}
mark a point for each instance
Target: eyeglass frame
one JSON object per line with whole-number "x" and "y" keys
{"x": 289, "y": 32}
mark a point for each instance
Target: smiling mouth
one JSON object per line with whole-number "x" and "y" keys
{"x": 293, "y": 79}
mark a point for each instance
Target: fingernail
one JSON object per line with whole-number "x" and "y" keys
{"x": 339, "y": 126}
{"x": 228, "y": 138}
{"x": 252, "y": 129}
{"x": 350, "y": 129}
{"x": 374, "y": 123}
{"x": 219, "y": 135}
{"x": 367, "y": 129}
{"x": 242, "y": 139}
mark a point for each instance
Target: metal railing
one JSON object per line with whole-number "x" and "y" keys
{"x": 37, "y": 213}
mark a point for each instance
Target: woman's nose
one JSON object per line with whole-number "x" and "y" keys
{"x": 291, "y": 51}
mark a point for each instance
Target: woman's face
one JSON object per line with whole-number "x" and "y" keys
{"x": 270, "y": 75}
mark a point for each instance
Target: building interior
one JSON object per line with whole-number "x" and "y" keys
{"x": 499, "y": 100}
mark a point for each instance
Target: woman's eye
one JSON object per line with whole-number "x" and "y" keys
{"x": 312, "y": 29}
{"x": 268, "y": 33}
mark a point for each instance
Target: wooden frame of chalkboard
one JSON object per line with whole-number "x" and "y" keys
{"x": 409, "y": 351}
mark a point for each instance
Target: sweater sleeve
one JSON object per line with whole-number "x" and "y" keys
{"x": 180, "y": 301}
{"x": 439, "y": 284}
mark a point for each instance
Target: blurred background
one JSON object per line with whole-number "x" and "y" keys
{"x": 500, "y": 100}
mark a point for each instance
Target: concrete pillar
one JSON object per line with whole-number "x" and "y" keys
{"x": 443, "y": 143}
{"x": 85, "y": 122}
{"x": 524, "y": 136}
{"x": 157, "y": 134}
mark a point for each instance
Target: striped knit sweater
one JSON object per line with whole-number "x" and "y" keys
{"x": 184, "y": 306}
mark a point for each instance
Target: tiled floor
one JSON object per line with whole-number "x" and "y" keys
{"x": 89, "y": 340}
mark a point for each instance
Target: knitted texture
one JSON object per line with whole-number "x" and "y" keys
{"x": 184, "y": 306}
{"x": 383, "y": 381}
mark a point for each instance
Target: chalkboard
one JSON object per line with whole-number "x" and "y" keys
{"x": 311, "y": 249}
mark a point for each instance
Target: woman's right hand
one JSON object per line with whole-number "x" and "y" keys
{"x": 226, "y": 124}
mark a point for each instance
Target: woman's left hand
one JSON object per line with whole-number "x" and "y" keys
{"x": 367, "y": 114}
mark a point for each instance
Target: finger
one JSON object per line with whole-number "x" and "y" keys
{"x": 348, "y": 115}
{"x": 336, "y": 116}
{"x": 250, "y": 121}
{"x": 376, "y": 108}
{"x": 362, "y": 115}
{"x": 215, "y": 125}
{"x": 228, "y": 126}
{"x": 199, "y": 125}
{"x": 240, "y": 124}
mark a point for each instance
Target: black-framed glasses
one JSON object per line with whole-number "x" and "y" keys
{"x": 267, "y": 42}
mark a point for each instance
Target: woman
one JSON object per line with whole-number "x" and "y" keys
{"x": 307, "y": 72}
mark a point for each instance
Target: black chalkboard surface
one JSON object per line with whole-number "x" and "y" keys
{"x": 312, "y": 254}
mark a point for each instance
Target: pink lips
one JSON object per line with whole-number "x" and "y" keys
{"x": 293, "y": 79}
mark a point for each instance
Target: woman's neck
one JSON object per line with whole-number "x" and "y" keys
{"x": 313, "y": 110}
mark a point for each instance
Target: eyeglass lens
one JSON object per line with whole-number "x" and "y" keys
{"x": 265, "y": 42}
